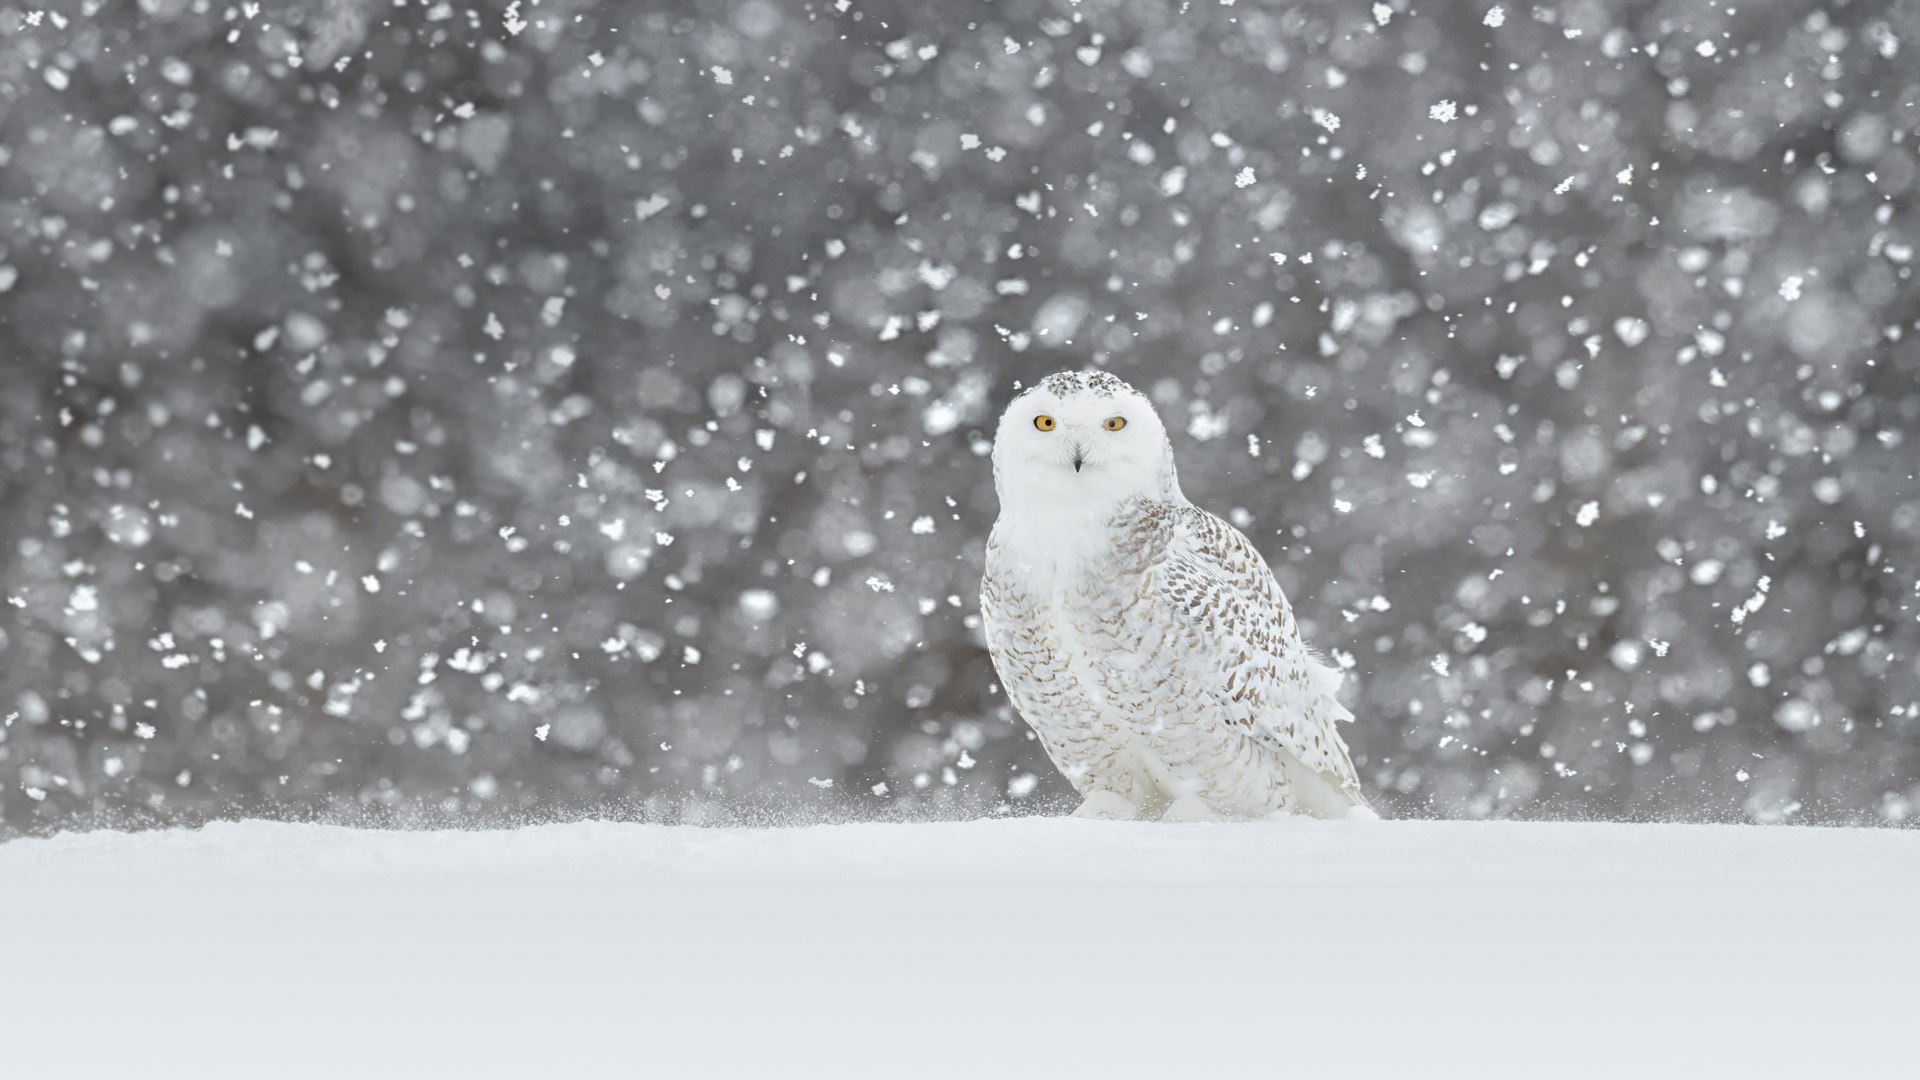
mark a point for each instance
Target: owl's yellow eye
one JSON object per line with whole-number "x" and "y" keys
{"x": 1115, "y": 423}
{"x": 1043, "y": 422}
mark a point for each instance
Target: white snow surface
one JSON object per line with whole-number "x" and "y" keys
{"x": 1011, "y": 947}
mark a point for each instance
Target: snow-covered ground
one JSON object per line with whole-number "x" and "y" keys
{"x": 1000, "y": 948}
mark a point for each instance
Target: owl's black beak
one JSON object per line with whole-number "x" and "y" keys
{"x": 1079, "y": 458}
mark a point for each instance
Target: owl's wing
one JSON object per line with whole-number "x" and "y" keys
{"x": 1020, "y": 646}
{"x": 1256, "y": 668}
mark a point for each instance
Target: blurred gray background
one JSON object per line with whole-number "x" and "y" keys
{"x": 486, "y": 412}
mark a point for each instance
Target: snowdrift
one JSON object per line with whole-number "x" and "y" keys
{"x": 1001, "y": 948}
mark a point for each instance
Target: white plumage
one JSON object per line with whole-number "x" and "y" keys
{"x": 1143, "y": 638}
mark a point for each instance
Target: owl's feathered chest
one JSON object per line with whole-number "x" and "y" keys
{"x": 1071, "y": 561}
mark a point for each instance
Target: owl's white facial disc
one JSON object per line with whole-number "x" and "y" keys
{"x": 1079, "y": 442}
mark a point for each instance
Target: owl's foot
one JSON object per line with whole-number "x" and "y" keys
{"x": 1107, "y": 806}
{"x": 1189, "y": 808}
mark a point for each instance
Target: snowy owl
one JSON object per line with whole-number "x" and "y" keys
{"x": 1143, "y": 638}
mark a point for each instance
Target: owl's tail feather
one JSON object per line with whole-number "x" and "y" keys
{"x": 1324, "y": 796}
{"x": 1320, "y": 794}
{"x": 1324, "y": 680}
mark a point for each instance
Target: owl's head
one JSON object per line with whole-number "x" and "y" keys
{"x": 1081, "y": 439}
